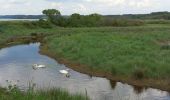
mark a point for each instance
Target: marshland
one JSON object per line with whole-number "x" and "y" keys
{"x": 108, "y": 57}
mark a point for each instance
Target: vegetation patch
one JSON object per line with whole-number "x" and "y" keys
{"x": 53, "y": 94}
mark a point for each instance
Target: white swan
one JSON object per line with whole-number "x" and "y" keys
{"x": 36, "y": 66}
{"x": 65, "y": 72}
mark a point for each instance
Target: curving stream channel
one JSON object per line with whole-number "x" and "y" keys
{"x": 16, "y": 64}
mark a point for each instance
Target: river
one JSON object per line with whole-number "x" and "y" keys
{"x": 16, "y": 65}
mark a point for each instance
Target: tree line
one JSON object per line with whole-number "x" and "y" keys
{"x": 54, "y": 17}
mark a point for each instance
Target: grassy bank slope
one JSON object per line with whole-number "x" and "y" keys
{"x": 139, "y": 52}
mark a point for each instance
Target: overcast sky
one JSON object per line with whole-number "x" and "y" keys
{"x": 67, "y": 7}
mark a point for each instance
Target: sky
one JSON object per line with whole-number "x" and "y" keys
{"x": 67, "y": 7}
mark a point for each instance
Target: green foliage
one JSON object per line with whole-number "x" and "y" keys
{"x": 155, "y": 15}
{"x": 157, "y": 21}
{"x": 92, "y": 20}
{"x": 139, "y": 73}
{"x": 121, "y": 22}
{"x": 52, "y": 94}
{"x": 1, "y": 29}
{"x": 12, "y": 92}
{"x": 35, "y": 24}
{"x": 44, "y": 24}
{"x": 52, "y": 14}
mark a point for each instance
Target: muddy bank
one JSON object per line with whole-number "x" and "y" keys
{"x": 39, "y": 37}
{"x": 14, "y": 40}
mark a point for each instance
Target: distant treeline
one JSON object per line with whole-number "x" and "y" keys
{"x": 154, "y": 15}
{"x": 53, "y": 17}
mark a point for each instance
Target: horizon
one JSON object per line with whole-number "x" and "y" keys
{"x": 84, "y": 14}
{"x": 83, "y": 7}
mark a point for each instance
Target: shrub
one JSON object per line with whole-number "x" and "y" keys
{"x": 113, "y": 71}
{"x": 165, "y": 47}
{"x": 120, "y": 22}
{"x": 30, "y": 25}
{"x": 44, "y": 24}
{"x": 139, "y": 73}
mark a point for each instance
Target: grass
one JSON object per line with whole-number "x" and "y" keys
{"x": 54, "y": 94}
{"x": 128, "y": 52}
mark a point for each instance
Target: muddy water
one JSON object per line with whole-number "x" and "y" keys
{"x": 16, "y": 64}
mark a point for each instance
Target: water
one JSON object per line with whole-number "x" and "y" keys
{"x": 16, "y": 64}
{"x": 8, "y": 19}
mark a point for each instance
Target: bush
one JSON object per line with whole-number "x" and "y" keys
{"x": 165, "y": 47}
{"x": 44, "y": 24}
{"x": 157, "y": 21}
{"x": 120, "y": 22}
{"x": 113, "y": 71}
{"x": 30, "y": 24}
{"x": 139, "y": 73}
{"x": 35, "y": 24}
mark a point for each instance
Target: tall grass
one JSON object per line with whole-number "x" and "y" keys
{"x": 12, "y": 92}
{"x": 130, "y": 52}
{"x": 54, "y": 94}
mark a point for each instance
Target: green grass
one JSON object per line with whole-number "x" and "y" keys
{"x": 128, "y": 52}
{"x": 54, "y": 94}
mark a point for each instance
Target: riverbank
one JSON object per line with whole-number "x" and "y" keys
{"x": 12, "y": 92}
{"x": 53, "y": 94}
{"x": 133, "y": 55}
{"x": 142, "y": 83}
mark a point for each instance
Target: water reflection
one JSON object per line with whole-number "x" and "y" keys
{"x": 16, "y": 64}
{"x": 113, "y": 84}
{"x": 138, "y": 89}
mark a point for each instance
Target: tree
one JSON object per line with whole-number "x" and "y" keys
{"x": 93, "y": 19}
{"x": 95, "y": 16}
{"x": 75, "y": 16}
{"x": 75, "y": 20}
{"x": 51, "y": 14}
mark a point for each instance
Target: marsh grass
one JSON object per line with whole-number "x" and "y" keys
{"x": 54, "y": 94}
{"x": 12, "y": 92}
{"x": 118, "y": 50}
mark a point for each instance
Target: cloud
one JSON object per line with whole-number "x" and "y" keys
{"x": 141, "y": 4}
{"x": 68, "y": 7}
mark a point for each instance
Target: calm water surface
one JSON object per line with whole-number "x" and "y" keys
{"x": 16, "y": 64}
{"x": 8, "y": 19}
